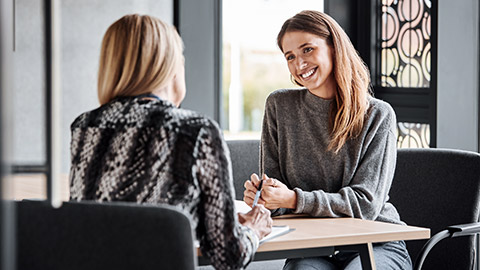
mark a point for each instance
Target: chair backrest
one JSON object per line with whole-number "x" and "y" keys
{"x": 245, "y": 161}
{"x": 88, "y": 235}
{"x": 436, "y": 188}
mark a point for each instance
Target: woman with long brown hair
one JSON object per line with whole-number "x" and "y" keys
{"x": 329, "y": 148}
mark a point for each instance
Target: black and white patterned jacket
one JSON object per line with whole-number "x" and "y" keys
{"x": 148, "y": 151}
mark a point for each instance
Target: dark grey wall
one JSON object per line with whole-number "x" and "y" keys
{"x": 458, "y": 71}
{"x": 197, "y": 28}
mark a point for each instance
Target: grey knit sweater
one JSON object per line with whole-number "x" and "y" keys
{"x": 352, "y": 183}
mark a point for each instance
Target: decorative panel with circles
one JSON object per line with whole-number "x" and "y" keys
{"x": 413, "y": 135}
{"x": 405, "y": 43}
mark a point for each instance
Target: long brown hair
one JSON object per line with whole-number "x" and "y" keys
{"x": 139, "y": 54}
{"x": 347, "y": 113}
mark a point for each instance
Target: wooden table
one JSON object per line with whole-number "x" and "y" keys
{"x": 324, "y": 236}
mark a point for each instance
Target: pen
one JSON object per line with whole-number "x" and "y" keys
{"x": 257, "y": 195}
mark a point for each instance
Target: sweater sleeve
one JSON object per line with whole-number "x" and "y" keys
{"x": 269, "y": 159}
{"x": 228, "y": 244}
{"x": 367, "y": 191}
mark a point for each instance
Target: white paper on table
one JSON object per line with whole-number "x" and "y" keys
{"x": 276, "y": 231}
{"x": 242, "y": 207}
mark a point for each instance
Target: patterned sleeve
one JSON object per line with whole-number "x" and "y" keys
{"x": 223, "y": 240}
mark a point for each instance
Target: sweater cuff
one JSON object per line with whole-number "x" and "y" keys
{"x": 300, "y": 201}
{"x": 305, "y": 202}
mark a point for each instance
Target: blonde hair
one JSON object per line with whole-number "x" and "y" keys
{"x": 347, "y": 114}
{"x": 139, "y": 54}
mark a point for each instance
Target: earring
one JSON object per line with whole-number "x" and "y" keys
{"x": 295, "y": 81}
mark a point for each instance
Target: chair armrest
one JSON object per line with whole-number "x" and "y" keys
{"x": 464, "y": 229}
{"x": 449, "y": 232}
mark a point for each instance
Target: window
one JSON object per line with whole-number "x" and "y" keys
{"x": 253, "y": 65}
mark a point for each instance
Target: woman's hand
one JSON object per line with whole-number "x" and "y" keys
{"x": 251, "y": 190}
{"x": 274, "y": 194}
{"x": 258, "y": 219}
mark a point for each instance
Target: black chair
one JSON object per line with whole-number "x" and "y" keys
{"x": 245, "y": 161}
{"x": 87, "y": 235}
{"x": 438, "y": 188}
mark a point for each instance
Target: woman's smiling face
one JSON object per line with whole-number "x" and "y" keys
{"x": 310, "y": 61}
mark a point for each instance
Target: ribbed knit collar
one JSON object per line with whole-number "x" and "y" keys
{"x": 315, "y": 103}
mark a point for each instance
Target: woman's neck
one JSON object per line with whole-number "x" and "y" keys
{"x": 326, "y": 90}
{"x": 325, "y": 93}
{"x": 166, "y": 93}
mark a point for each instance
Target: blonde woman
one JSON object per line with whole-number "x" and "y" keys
{"x": 138, "y": 146}
{"x": 328, "y": 149}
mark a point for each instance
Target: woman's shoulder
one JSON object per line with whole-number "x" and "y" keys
{"x": 187, "y": 123}
{"x": 380, "y": 111}
{"x": 83, "y": 119}
{"x": 196, "y": 127}
{"x": 380, "y": 107}
{"x": 191, "y": 119}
